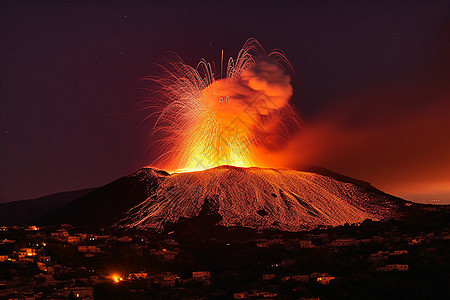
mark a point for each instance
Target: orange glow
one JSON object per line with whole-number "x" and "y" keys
{"x": 396, "y": 138}
{"x": 241, "y": 193}
{"x": 116, "y": 278}
{"x": 207, "y": 122}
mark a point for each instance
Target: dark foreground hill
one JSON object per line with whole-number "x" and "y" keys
{"x": 103, "y": 205}
{"x": 247, "y": 197}
{"x": 24, "y": 211}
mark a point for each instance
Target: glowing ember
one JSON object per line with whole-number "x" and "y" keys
{"x": 207, "y": 122}
{"x": 116, "y": 278}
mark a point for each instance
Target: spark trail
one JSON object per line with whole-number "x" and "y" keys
{"x": 206, "y": 122}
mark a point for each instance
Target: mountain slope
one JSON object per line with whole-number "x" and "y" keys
{"x": 101, "y": 206}
{"x": 250, "y": 197}
{"x": 261, "y": 199}
{"x": 24, "y": 211}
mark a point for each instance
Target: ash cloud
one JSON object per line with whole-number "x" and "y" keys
{"x": 259, "y": 98}
{"x": 269, "y": 79}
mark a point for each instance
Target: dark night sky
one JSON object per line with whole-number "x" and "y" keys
{"x": 69, "y": 74}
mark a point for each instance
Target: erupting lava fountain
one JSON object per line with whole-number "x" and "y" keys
{"x": 214, "y": 134}
{"x": 207, "y": 122}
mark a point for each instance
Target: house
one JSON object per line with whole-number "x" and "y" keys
{"x": 82, "y": 236}
{"x": 201, "y": 275}
{"x": 239, "y": 295}
{"x": 287, "y": 262}
{"x": 302, "y": 278}
{"x": 6, "y": 241}
{"x": 415, "y": 241}
{"x": 306, "y": 244}
{"x": 44, "y": 258}
{"x": 86, "y": 293}
{"x": 399, "y": 252}
{"x": 26, "y": 252}
{"x": 445, "y": 236}
{"x": 317, "y": 274}
{"x": 42, "y": 266}
{"x": 139, "y": 275}
{"x": 378, "y": 257}
{"x": 266, "y": 294}
{"x": 264, "y": 243}
{"x": 124, "y": 239}
{"x": 32, "y": 228}
{"x": 89, "y": 249}
{"x": 396, "y": 267}
{"x": 27, "y": 259}
{"x": 73, "y": 240}
{"x": 320, "y": 236}
{"x": 60, "y": 234}
{"x": 377, "y": 239}
{"x": 379, "y": 253}
{"x": 171, "y": 242}
{"x": 138, "y": 250}
{"x": 49, "y": 280}
{"x": 325, "y": 280}
{"x": 165, "y": 254}
{"x": 168, "y": 279}
{"x": 268, "y": 276}
{"x": 253, "y": 294}
{"x": 276, "y": 241}
{"x": 95, "y": 279}
{"x": 344, "y": 242}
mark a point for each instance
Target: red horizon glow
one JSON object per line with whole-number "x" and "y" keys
{"x": 395, "y": 137}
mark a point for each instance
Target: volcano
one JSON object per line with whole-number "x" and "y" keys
{"x": 258, "y": 198}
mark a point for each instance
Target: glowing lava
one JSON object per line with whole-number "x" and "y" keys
{"x": 258, "y": 198}
{"x": 229, "y": 121}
